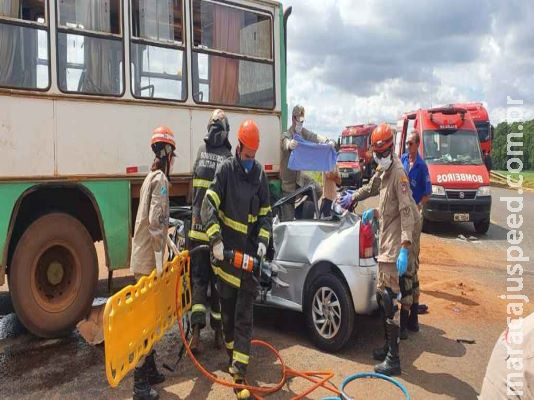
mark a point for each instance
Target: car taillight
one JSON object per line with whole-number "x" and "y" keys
{"x": 367, "y": 238}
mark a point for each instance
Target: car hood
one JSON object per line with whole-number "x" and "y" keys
{"x": 312, "y": 241}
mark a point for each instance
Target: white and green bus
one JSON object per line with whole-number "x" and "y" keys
{"x": 82, "y": 85}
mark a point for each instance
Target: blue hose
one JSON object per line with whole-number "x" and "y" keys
{"x": 363, "y": 375}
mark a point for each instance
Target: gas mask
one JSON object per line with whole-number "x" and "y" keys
{"x": 383, "y": 162}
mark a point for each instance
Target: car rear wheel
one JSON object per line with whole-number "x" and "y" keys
{"x": 53, "y": 275}
{"x": 329, "y": 313}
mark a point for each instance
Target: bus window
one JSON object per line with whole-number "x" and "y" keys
{"x": 232, "y": 56}
{"x": 24, "y": 59}
{"x": 89, "y": 47}
{"x": 157, "y": 52}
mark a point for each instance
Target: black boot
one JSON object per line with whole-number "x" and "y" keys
{"x": 195, "y": 340}
{"x": 380, "y": 353}
{"x": 241, "y": 394}
{"x": 218, "y": 339}
{"x": 404, "y": 315}
{"x": 391, "y": 365}
{"x": 153, "y": 376}
{"x": 413, "y": 320}
{"x": 142, "y": 389}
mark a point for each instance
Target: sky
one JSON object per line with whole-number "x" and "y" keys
{"x": 360, "y": 61}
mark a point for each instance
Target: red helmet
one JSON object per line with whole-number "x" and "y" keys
{"x": 382, "y": 138}
{"x": 249, "y": 134}
{"x": 162, "y": 141}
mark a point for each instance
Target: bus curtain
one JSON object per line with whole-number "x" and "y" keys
{"x": 224, "y": 72}
{"x": 18, "y": 49}
{"x": 310, "y": 156}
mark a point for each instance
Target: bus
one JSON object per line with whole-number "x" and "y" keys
{"x": 82, "y": 85}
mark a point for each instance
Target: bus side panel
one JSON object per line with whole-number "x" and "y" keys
{"x": 26, "y": 137}
{"x": 269, "y": 125}
{"x": 9, "y": 194}
{"x": 99, "y": 138}
{"x": 113, "y": 200}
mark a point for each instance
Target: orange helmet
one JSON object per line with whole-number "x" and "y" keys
{"x": 382, "y": 138}
{"x": 162, "y": 141}
{"x": 249, "y": 134}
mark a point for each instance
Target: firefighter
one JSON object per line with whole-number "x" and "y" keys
{"x": 150, "y": 238}
{"x": 397, "y": 215}
{"x": 215, "y": 149}
{"x": 292, "y": 180}
{"x": 237, "y": 216}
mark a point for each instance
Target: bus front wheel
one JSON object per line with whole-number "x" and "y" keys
{"x": 53, "y": 275}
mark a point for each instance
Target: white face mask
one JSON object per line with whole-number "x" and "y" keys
{"x": 298, "y": 127}
{"x": 384, "y": 162}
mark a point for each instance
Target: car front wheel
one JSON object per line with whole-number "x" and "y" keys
{"x": 329, "y": 313}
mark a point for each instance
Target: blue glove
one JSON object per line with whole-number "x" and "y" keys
{"x": 402, "y": 261}
{"x": 368, "y": 215}
{"x": 346, "y": 201}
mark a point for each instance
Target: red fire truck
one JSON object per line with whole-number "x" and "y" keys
{"x": 480, "y": 117}
{"x": 451, "y": 149}
{"x": 357, "y": 138}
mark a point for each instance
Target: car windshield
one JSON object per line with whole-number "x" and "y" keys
{"x": 451, "y": 147}
{"x": 347, "y": 157}
{"x": 483, "y": 129}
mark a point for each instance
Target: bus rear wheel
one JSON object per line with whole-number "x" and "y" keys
{"x": 53, "y": 275}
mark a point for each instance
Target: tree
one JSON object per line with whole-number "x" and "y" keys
{"x": 499, "y": 148}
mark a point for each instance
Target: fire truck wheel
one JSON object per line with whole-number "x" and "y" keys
{"x": 53, "y": 275}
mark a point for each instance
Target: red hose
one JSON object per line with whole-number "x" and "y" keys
{"x": 318, "y": 378}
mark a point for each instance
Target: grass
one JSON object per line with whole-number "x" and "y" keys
{"x": 528, "y": 177}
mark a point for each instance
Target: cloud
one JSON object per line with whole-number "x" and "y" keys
{"x": 360, "y": 61}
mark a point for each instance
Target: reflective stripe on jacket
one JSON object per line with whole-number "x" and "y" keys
{"x": 236, "y": 210}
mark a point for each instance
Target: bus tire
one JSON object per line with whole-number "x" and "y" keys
{"x": 53, "y": 275}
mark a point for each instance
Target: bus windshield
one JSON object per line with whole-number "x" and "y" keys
{"x": 347, "y": 157}
{"x": 483, "y": 129}
{"x": 451, "y": 147}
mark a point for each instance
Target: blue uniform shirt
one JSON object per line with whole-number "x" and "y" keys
{"x": 418, "y": 176}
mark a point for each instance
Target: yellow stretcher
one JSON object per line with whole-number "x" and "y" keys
{"x": 138, "y": 316}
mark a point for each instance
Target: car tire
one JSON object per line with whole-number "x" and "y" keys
{"x": 482, "y": 227}
{"x": 330, "y": 296}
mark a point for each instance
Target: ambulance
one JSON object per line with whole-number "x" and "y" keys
{"x": 450, "y": 147}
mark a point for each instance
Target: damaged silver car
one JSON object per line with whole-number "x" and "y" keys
{"x": 329, "y": 269}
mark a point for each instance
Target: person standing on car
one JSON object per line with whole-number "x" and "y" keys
{"x": 398, "y": 216}
{"x": 331, "y": 180}
{"x": 150, "y": 238}
{"x": 215, "y": 149}
{"x": 417, "y": 171}
{"x": 237, "y": 215}
{"x": 292, "y": 180}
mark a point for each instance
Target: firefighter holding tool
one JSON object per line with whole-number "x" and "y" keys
{"x": 237, "y": 216}
{"x": 212, "y": 153}
{"x": 398, "y": 219}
